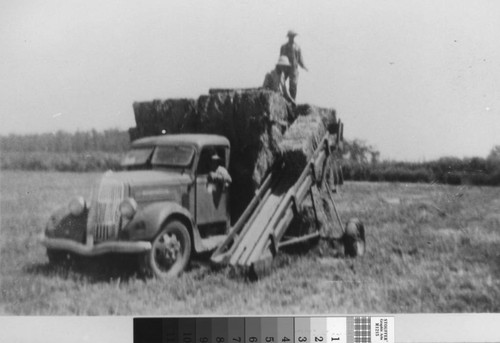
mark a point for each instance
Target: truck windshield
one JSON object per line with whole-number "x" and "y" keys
{"x": 137, "y": 157}
{"x": 173, "y": 156}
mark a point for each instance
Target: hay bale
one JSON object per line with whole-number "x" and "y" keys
{"x": 256, "y": 113}
{"x": 165, "y": 116}
{"x": 328, "y": 115}
{"x": 302, "y": 138}
{"x": 215, "y": 115}
{"x": 213, "y": 91}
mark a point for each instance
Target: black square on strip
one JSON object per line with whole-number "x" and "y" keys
{"x": 148, "y": 330}
{"x": 362, "y": 330}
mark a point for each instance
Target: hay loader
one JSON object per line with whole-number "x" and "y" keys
{"x": 261, "y": 231}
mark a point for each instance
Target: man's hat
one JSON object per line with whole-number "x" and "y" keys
{"x": 283, "y": 61}
{"x": 291, "y": 33}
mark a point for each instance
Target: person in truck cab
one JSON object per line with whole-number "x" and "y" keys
{"x": 218, "y": 174}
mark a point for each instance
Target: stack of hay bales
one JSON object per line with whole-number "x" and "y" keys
{"x": 253, "y": 120}
{"x": 259, "y": 119}
{"x": 256, "y": 122}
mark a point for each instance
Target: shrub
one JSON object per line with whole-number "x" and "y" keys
{"x": 74, "y": 162}
{"x": 449, "y": 170}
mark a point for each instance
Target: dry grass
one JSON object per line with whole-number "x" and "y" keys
{"x": 431, "y": 248}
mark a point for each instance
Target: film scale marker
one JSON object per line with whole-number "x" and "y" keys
{"x": 314, "y": 329}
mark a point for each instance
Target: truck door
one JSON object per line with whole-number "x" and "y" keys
{"x": 211, "y": 199}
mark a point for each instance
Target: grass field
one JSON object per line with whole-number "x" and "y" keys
{"x": 431, "y": 248}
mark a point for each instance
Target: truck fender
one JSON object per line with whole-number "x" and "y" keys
{"x": 149, "y": 220}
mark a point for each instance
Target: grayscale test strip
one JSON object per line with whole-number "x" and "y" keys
{"x": 269, "y": 329}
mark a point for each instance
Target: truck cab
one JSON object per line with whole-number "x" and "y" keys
{"x": 163, "y": 205}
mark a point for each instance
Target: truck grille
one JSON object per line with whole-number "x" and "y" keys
{"x": 104, "y": 216}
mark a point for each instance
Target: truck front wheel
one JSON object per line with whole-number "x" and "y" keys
{"x": 170, "y": 251}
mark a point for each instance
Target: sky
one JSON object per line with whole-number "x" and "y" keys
{"x": 417, "y": 80}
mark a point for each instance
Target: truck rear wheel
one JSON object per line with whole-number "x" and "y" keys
{"x": 354, "y": 238}
{"x": 170, "y": 251}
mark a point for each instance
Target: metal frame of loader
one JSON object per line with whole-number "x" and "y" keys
{"x": 258, "y": 234}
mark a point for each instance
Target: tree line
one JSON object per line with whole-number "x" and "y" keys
{"x": 94, "y": 151}
{"x": 361, "y": 162}
{"x": 112, "y": 140}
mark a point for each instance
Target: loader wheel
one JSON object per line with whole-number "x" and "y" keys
{"x": 354, "y": 238}
{"x": 170, "y": 251}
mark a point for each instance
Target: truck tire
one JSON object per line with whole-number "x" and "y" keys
{"x": 354, "y": 238}
{"x": 170, "y": 251}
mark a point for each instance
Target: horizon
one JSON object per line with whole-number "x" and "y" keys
{"x": 382, "y": 159}
{"x": 416, "y": 80}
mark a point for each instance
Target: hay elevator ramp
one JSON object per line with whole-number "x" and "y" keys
{"x": 260, "y": 231}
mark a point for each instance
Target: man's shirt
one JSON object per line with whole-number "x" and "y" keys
{"x": 294, "y": 54}
{"x": 220, "y": 176}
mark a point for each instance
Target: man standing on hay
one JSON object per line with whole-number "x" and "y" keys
{"x": 275, "y": 79}
{"x": 294, "y": 54}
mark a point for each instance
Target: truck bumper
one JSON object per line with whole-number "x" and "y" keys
{"x": 97, "y": 249}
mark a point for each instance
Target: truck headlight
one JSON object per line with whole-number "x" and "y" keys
{"x": 77, "y": 206}
{"x": 127, "y": 208}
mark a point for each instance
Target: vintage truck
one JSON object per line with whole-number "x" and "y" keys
{"x": 161, "y": 206}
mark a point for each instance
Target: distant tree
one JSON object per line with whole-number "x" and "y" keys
{"x": 112, "y": 140}
{"x": 494, "y": 154}
{"x": 360, "y": 152}
{"x": 493, "y": 160}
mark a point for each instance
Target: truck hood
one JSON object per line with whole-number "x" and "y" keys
{"x": 144, "y": 178}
